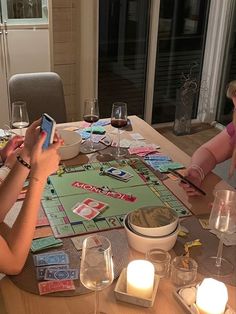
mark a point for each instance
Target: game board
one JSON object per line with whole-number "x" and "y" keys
{"x": 81, "y": 182}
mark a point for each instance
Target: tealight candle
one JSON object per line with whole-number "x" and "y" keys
{"x": 212, "y": 297}
{"x": 140, "y": 278}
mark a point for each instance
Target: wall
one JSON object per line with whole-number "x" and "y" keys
{"x": 64, "y": 48}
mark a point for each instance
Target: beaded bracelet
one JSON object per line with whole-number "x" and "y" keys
{"x": 23, "y": 162}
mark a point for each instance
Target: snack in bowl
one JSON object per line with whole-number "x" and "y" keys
{"x": 153, "y": 220}
{"x": 71, "y": 146}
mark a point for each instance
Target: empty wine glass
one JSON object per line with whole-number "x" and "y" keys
{"x": 223, "y": 220}
{"x": 96, "y": 269}
{"x": 19, "y": 115}
{"x": 119, "y": 120}
{"x": 91, "y": 115}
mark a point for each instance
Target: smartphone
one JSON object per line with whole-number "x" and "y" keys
{"x": 185, "y": 180}
{"x": 48, "y": 125}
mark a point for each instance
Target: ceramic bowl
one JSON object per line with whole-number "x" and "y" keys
{"x": 71, "y": 147}
{"x": 142, "y": 243}
{"x": 155, "y": 221}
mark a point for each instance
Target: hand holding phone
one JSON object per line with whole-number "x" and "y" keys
{"x": 185, "y": 180}
{"x": 48, "y": 125}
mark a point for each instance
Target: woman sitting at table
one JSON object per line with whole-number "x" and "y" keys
{"x": 15, "y": 242}
{"x": 216, "y": 150}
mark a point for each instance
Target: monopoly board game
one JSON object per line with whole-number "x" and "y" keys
{"x": 78, "y": 183}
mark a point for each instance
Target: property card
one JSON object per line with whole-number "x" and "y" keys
{"x": 45, "y": 243}
{"x": 55, "y": 286}
{"x": 53, "y": 258}
{"x": 85, "y": 211}
{"x": 137, "y": 136}
{"x": 102, "y": 122}
{"x": 61, "y": 274}
{"x": 40, "y": 271}
{"x": 78, "y": 242}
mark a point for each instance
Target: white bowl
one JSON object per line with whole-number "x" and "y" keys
{"x": 71, "y": 147}
{"x": 153, "y": 220}
{"x": 142, "y": 243}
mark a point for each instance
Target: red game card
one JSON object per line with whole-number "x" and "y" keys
{"x": 86, "y": 211}
{"x": 55, "y": 285}
{"x": 95, "y": 204}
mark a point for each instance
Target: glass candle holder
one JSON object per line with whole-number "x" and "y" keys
{"x": 161, "y": 261}
{"x": 183, "y": 270}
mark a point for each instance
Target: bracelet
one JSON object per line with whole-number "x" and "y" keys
{"x": 23, "y": 162}
{"x": 199, "y": 171}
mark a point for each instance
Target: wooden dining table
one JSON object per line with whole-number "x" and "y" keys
{"x": 16, "y": 301}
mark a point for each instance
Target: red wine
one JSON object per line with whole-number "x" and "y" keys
{"x": 91, "y": 118}
{"x": 118, "y": 123}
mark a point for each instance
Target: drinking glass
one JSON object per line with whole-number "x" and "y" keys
{"x": 96, "y": 269}
{"x": 19, "y": 115}
{"x": 223, "y": 220}
{"x": 119, "y": 120}
{"x": 91, "y": 115}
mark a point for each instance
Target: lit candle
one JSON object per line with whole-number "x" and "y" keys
{"x": 140, "y": 278}
{"x": 212, "y": 297}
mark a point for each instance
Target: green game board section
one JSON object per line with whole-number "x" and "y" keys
{"x": 63, "y": 184}
{"x": 60, "y": 197}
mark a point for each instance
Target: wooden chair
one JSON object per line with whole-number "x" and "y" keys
{"x": 42, "y": 92}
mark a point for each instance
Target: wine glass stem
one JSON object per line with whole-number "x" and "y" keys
{"x": 91, "y": 135}
{"x": 118, "y": 143}
{"x": 219, "y": 251}
{"x": 96, "y": 305}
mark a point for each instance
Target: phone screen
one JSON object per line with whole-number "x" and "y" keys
{"x": 47, "y": 125}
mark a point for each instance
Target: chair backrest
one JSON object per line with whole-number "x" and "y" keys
{"x": 42, "y": 92}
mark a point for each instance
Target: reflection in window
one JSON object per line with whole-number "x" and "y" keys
{"x": 181, "y": 41}
{"x": 23, "y": 9}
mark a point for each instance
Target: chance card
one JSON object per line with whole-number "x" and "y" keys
{"x": 95, "y": 204}
{"x": 86, "y": 211}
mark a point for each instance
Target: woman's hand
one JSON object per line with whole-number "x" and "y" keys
{"x": 14, "y": 143}
{"x": 31, "y": 137}
{"x": 193, "y": 176}
{"x": 44, "y": 162}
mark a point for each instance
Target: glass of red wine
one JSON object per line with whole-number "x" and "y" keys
{"x": 119, "y": 120}
{"x": 91, "y": 115}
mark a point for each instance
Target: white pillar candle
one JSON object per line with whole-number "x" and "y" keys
{"x": 212, "y": 297}
{"x": 140, "y": 278}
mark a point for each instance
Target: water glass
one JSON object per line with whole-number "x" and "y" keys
{"x": 183, "y": 270}
{"x": 161, "y": 261}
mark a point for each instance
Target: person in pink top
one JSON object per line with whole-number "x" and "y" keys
{"x": 218, "y": 149}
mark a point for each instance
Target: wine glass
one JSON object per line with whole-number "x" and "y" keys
{"x": 19, "y": 115}
{"x": 96, "y": 268}
{"x": 223, "y": 220}
{"x": 119, "y": 120}
{"x": 91, "y": 115}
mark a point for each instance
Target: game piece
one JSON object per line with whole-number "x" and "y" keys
{"x": 53, "y": 258}
{"x": 55, "y": 286}
{"x": 85, "y": 211}
{"x": 61, "y": 274}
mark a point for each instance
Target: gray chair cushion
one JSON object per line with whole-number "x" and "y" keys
{"x": 42, "y": 92}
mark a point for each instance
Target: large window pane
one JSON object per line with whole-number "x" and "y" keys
{"x": 225, "y": 105}
{"x": 181, "y": 40}
{"x": 123, "y": 39}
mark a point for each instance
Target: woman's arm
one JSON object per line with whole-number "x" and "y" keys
{"x": 14, "y": 248}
